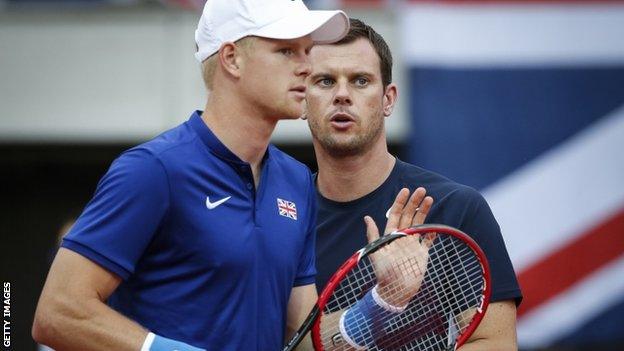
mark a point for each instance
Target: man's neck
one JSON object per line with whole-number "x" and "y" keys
{"x": 244, "y": 133}
{"x": 349, "y": 178}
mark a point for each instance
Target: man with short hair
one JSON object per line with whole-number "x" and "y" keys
{"x": 203, "y": 238}
{"x": 350, "y": 93}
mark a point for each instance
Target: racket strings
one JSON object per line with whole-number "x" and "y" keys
{"x": 441, "y": 309}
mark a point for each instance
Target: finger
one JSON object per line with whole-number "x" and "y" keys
{"x": 372, "y": 233}
{"x": 411, "y": 208}
{"x": 423, "y": 211}
{"x": 429, "y": 238}
{"x": 394, "y": 216}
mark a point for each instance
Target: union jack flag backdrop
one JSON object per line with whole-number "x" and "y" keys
{"x": 525, "y": 102}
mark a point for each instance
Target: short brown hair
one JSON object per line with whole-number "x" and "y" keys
{"x": 359, "y": 29}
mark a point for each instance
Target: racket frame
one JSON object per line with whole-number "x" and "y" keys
{"x": 313, "y": 322}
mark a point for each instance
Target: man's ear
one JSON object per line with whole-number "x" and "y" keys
{"x": 389, "y": 99}
{"x": 230, "y": 58}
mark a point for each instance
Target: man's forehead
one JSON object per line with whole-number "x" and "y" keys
{"x": 355, "y": 56}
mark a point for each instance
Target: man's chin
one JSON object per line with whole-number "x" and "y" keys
{"x": 294, "y": 112}
{"x": 291, "y": 116}
{"x": 337, "y": 148}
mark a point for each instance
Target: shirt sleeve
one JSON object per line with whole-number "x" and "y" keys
{"x": 126, "y": 211}
{"x": 481, "y": 225}
{"x": 306, "y": 271}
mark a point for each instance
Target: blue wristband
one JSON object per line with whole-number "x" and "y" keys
{"x": 160, "y": 343}
{"x": 356, "y": 323}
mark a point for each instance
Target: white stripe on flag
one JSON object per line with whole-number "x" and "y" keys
{"x": 558, "y": 196}
{"x": 568, "y": 311}
{"x": 512, "y": 35}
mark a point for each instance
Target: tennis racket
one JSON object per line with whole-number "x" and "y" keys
{"x": 422, "y": 288}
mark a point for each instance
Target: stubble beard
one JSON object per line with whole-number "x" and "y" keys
{"x": 358, "y": 144}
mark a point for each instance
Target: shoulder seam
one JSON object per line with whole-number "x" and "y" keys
{"x": 168, "y": 188}
{"x": 162, "y": 165}
{"x": 170, "y": 147}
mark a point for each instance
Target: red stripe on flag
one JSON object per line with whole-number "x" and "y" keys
{"x": 552, "y": 275}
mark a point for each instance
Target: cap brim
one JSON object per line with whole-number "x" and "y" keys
{"x": 325, "y": 27}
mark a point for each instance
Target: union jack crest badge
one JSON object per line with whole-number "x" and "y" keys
{"x": 287, "y": 208}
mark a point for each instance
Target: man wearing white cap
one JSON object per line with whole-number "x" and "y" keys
{"x": 203, "y": 238}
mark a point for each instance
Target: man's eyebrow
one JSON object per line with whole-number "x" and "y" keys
{"x": 320, "y": 75}
{"x": 362, "y": 73}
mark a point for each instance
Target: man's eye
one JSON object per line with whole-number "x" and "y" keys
{"x": 287, "y": 52}
{"x": 361, "y": 81}
{"x": 326, "y": 82}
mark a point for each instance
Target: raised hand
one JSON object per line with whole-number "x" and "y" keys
{"x": 401, "y": 265}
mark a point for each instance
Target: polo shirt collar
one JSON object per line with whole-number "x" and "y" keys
{"x": 212, "y": 142}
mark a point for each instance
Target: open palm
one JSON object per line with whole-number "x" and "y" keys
{"x": 401, "y": 265}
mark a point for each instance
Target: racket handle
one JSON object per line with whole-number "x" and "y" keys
{"x": 303, "y": 330}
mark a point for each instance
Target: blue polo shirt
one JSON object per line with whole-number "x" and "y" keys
{"x": 205, "y": 257}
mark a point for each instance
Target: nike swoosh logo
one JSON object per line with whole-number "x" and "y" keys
{"x": 213, "y": 205}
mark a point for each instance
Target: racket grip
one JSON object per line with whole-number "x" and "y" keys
{"x": 367, "y": 315}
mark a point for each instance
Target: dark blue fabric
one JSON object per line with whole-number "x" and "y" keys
{"x": 216, "y": 278}
{"x": 341, "y": 229}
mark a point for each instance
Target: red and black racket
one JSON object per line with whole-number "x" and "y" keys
{"x": 422, "y": 288}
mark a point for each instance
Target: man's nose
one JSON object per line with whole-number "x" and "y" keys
{"x": 342, "y": 97}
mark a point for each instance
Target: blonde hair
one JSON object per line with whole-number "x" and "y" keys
{"x": 209, "y": 65}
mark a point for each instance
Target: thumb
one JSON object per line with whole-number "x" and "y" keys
{"x": 372, "y": 233}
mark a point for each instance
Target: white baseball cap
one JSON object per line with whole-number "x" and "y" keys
{"x": 230, "y": 20}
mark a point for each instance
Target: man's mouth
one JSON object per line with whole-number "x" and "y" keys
{"x": 299, "y": 91}
{"x": 342, "y": 120}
